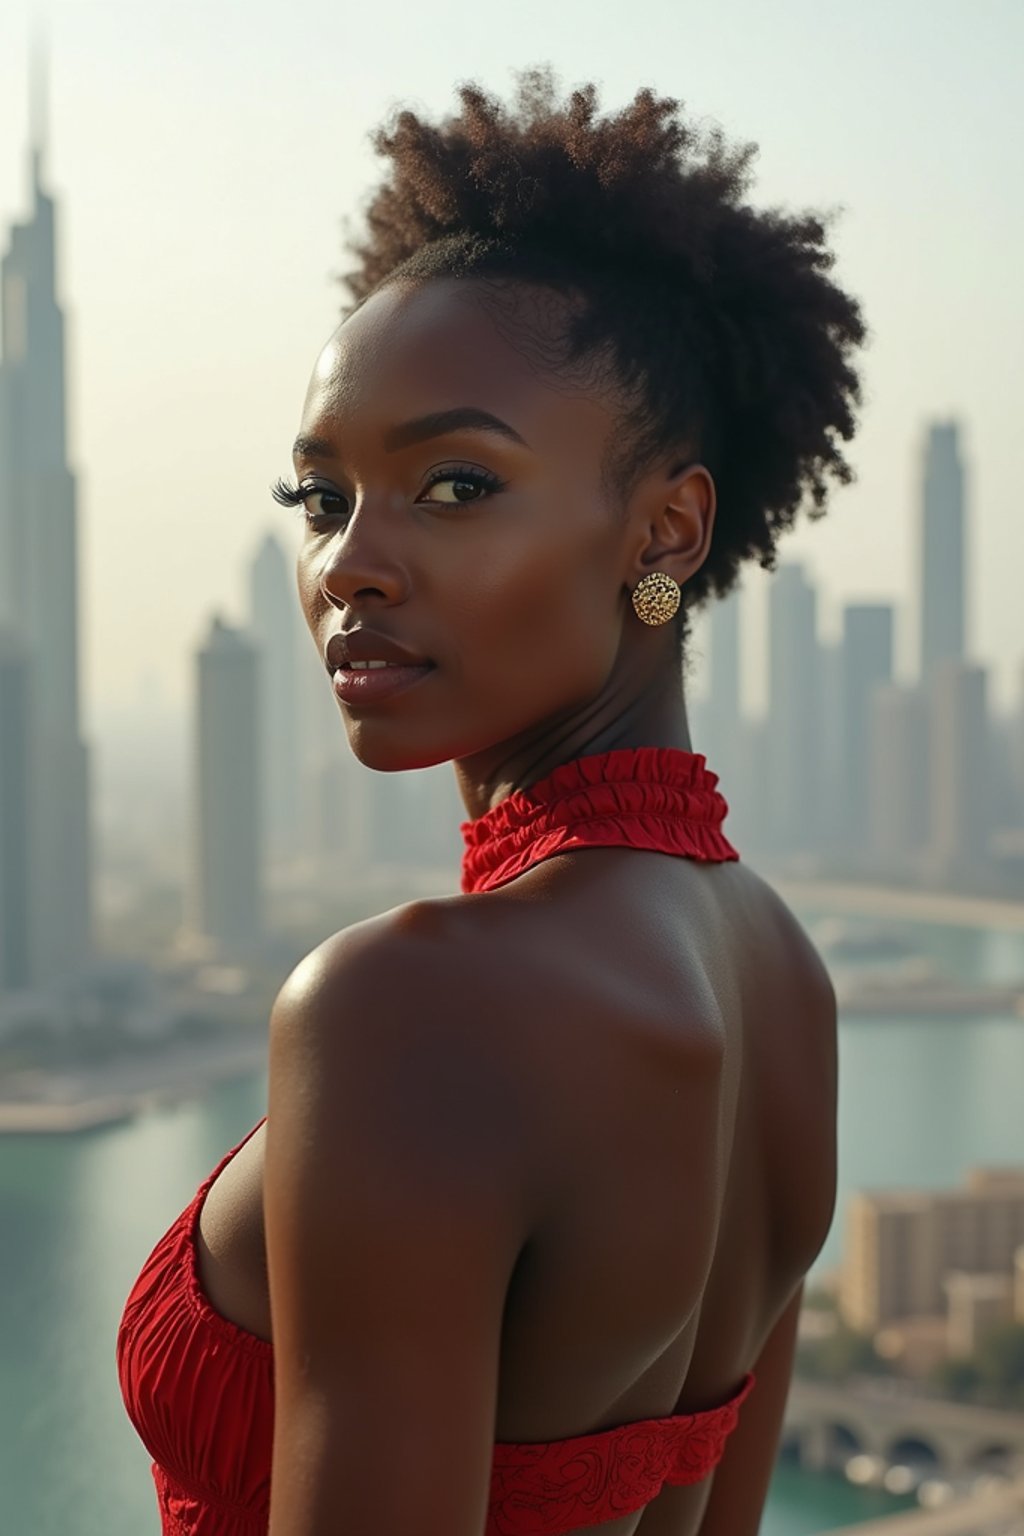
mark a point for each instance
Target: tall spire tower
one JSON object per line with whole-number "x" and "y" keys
{"x": 37, "y": 105}
{"x": 39, "y": 578}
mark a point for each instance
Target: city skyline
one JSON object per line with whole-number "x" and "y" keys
{"x": 163, "y": 341}
{"x": 182, "y": 819}
{"x": 46, "y": 793}
{"x": 861, "y": 768}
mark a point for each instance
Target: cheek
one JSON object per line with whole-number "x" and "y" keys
{"x": 547, "y": 611}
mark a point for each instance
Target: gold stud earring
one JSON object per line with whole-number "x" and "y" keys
{"x": 657, "y": 598}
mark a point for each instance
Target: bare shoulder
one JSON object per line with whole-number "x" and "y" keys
{"x": 780, "y": 926}
{"x": 477, "y": 1020}
{"x": 412, "y": 976}
{"x": 394, "y": 1011}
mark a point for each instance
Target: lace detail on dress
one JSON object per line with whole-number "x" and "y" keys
{"x": 552, "y": 1488}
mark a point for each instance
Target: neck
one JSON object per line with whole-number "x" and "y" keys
{"x": 654, "y": 718}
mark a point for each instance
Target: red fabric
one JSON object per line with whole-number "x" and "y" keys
{"x": 559, "y": 1485}
{"x": 660, "y": 798}
{"x": 200, "y": 1390}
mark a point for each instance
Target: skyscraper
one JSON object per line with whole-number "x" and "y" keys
{"x": 942, "y": 549}
{"x": 227, "y": 858}
{"x": 793, "y": 727}
{"x": 960, "y": 789}
{"x": 832, "y": 839}
{"x": 865, "y": 664}
{"x": 39, "y": 586}
{"x": 898, "y": 813}
{"x": 14, "y": 769}
{"x": 273, "y": 626}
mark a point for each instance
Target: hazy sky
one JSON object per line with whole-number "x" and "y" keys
{"x": 203, "y": 155}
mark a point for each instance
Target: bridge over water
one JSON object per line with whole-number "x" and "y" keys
{"x": 998, "y": 1513}
{"x": 825, "y": 1425}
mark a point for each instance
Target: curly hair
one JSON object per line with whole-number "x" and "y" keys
{"x": 716, "y": 320}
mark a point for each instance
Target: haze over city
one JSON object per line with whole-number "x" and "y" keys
{"x": 197, "y": 244}
{"x": 181, "y": 819}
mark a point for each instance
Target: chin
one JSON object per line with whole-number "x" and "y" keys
{"x": 392, "y": 750}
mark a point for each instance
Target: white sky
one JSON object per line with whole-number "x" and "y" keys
{"x": 203, "y": 153}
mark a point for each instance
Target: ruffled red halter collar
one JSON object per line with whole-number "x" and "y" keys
{"x": 660, "y": 798}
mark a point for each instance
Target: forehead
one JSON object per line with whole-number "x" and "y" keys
{"x": 415, "y": 348}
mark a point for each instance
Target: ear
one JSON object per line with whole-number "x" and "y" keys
{"x": 673, "y": 517}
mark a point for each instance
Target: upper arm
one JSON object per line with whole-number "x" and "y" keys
{"x": 743, "y": 1475}
{"x": 395, "y": 1214}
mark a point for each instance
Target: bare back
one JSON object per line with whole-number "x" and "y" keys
{"x": 669, "y": 1243}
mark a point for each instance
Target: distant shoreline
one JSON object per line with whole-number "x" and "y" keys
{"x": 40, "y": 1102}
{"x": 885, "y": 901}
{"x": 86, "y": 1098}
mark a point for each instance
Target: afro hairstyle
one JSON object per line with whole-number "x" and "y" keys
{"x": 717, "y": 322}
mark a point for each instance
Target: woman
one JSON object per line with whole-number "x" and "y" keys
{"x": 545, "y": 1163}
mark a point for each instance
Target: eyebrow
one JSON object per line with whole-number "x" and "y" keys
{"x": 436, "y": 424}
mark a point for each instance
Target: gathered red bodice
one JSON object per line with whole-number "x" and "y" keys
{"x": 200, "y": 1390}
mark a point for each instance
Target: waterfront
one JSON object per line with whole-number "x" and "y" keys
{"x": 919, "y": 1102}
{"x": 81, "y": 1098}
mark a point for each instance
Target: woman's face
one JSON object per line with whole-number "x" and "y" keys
{"x": 488, "y": 554}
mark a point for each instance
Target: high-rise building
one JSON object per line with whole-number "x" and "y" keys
{"x": 1017, "y": 744}
{"x": 793, "y": 725}
{"x": 942, "y": 549}
{"x": 745, "y": 788}
{"x": 890, "y": 1267}
{"x": 273, "y": 626}
{"x": 898, "y": 821}
{"x": 833, "y": 771}
{"x": 865, "y": 664}
{"x": 227, "y": 863}
{"x": 901, "y": 1245}
{"x": 39, "y": 587}
{"x": 978, "y": 1304}
{"x": 960, "y": 798}
{"x": 15, "y": 970}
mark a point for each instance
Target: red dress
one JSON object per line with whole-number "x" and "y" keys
{"x": 200, "y": 1390}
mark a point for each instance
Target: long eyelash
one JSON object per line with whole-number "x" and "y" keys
{"x": 288, "y": 495}
{"x": 295, "y": 495}
{"x": 484, "y": 477}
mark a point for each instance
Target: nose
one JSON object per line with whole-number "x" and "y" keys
{"x": 362, "y": 565}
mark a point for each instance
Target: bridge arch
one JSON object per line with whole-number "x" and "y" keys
{"x": 913, "y": 1451}
{"x": 841, "y": 1442}
{"x": 994, "y": 1456}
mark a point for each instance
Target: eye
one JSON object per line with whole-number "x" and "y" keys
{"x": 307, "y": 496}
{"x": 462, "y": 480}
{"x": 320, "y": 503}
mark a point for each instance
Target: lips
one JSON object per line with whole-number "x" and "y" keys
{"x": 364, "y": 687}
{"x": 361, "y": 644}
